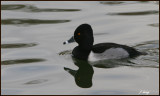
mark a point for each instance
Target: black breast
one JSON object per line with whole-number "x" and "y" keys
{"x": 80, "y": 53}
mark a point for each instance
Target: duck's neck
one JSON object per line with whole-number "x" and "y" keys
{"x": 86, "y": 47}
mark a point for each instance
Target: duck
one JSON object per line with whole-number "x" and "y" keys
{"x": 85, "y": 50}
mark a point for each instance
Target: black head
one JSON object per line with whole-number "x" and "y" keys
{"x": 83, "y": 35}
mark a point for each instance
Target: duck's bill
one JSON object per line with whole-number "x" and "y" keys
{"x": 71, "y": 40}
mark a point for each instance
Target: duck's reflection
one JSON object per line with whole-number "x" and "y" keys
{"x": 83, "y": 76}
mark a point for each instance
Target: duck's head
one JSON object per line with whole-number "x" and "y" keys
{"x": 83, "y": 35}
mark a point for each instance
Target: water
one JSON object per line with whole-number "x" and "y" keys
{"x": 35, "y": 61}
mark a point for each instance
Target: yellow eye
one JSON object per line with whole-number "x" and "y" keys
{"x": 79, "y": 34}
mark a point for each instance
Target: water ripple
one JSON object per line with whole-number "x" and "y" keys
{"x": 111, "y": 2}
{"x": 30, "y": 21}
{"x": 31, "y": 8}
{"x": 36, "y": 81}
{"x": 154, "y": 25}
{"x": 18, "y": 45}
{"x": 136, "y": 13}
{"x": 21, "y": 61}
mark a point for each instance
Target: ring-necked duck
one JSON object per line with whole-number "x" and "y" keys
{"x": 85, "y": 50}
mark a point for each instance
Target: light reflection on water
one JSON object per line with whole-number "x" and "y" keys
{"x": 45, "y": 67}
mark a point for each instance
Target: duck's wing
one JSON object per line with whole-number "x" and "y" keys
{"x": 101, "y": 47}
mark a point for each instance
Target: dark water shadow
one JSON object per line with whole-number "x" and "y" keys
{"x": 143, "y": 1}
{"x": 154, "y": 25}
{"x": 23, "y": 22}
{"x": 83, "y": 76}
{"x": 151, "y": 12}
{"x": 38, "y": 81}
{"x": 111, "y": 2}
{"x": 31, "y": 8}
{"x": 21, "y": 61}
{"x": 12, "y": 7}
{"x": 17, "y": 45}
